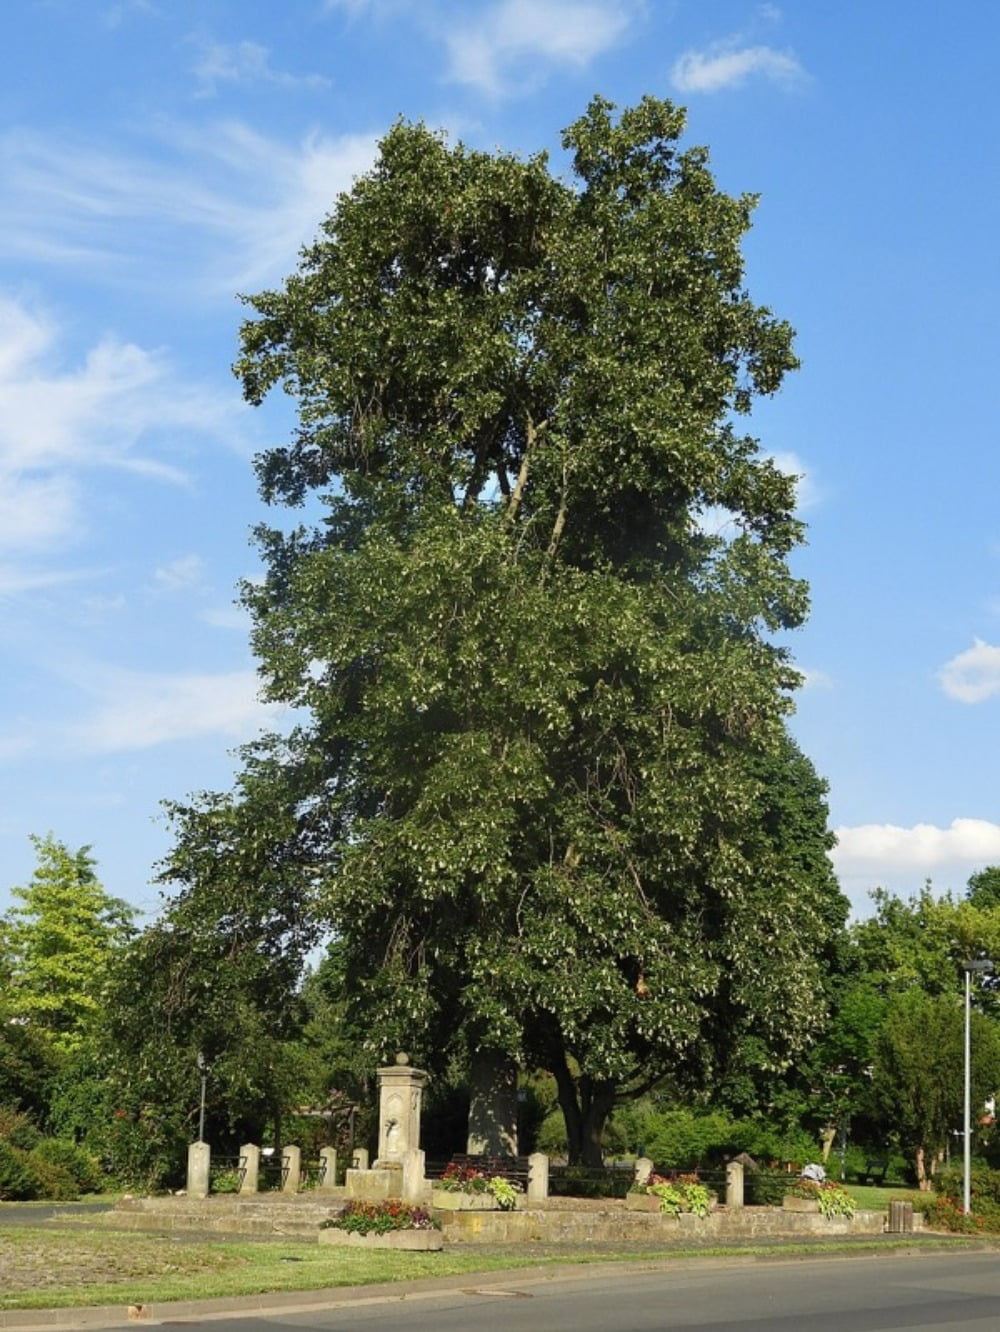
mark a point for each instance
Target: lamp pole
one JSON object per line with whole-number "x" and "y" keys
{"x": 203, "y": 1069}
{"x": 978, "y": 965}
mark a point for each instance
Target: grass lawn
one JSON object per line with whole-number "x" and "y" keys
{"x": 49, "y": 1268}
{"x": 877, "y": 1198}
{"x": 43, "y": 1268}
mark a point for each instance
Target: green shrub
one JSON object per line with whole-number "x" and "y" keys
{"x": 51, "y": 1180}
{"x": 18, "y": 1182}
{"x": 83, "y": 1169}
{"x": 945, "y": 1210}
{"x": 18, "y": 1129}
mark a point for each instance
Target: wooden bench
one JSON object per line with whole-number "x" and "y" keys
{"x": 874, "y": 1172}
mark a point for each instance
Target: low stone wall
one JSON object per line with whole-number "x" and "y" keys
{"x": 621, "y": 1225}
{"x": 301, "y": 1216}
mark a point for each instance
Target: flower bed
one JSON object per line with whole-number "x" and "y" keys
{"x": 382, "y": 1225}
{"x": 466, "y": 1188}
{"x": 671, "y": 1197}
{"x": 828, "y": 1198}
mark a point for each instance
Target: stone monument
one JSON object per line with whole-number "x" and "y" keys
{"x": 398, "y": 1171}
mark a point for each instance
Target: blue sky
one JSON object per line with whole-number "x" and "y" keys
{"x": 159, "y": 156}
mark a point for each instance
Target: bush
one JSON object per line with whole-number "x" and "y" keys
{"x": 83, "y": 1169}
{"x": 945, "y": 1209}
{"x": 17, "y": 1129}
{"x": 51, "y": 1180}
{"x": 18, "y": 1182}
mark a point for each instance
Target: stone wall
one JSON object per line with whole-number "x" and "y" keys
{"x": 618, "y": 1225}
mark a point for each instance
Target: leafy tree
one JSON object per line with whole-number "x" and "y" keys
{"x": 61, "y": 942}
{"x": 539, "y": 709}
{"x": 217, "y": 975}
{"x": 984, "y": 888}
{"x": 918, "y": 1072}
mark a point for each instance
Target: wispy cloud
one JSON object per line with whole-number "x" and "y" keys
{"x": 815, "y": 679}
{"x": 514, "y": 42}
{"x": 196, "y": 209}
{"x": 728, "y": 65}
{"x": 974, "y": 675}
{"x": 57, "y": 420}
{"x": 244, "y": 63}
{"x": 185, "y": 572}
{"x": 140, "y": 710}
{"x": 923, "y": 848}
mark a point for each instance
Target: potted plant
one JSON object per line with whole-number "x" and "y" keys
{"x": 671, "y": 1197}
{"x": 466, "y": 1188}
{"x": 825, "y": 1197}
{"x": 382, "y": 1225}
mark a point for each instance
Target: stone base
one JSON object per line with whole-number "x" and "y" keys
{"x": 453, "y": 1200}
{"x": 792, "y": 1204}
{"x": 642, "y": 1202}
{"x": 413, "y": 1241}
{"x": 374, "y": 1185}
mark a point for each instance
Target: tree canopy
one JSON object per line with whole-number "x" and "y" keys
{"x": 60, "y": 940}
{"x": 536, "y": 779}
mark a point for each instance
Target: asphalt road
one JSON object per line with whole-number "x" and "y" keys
{"x": 911, "y": 1293}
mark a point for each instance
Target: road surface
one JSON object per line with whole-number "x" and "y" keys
{"x": 954, "y": 1292}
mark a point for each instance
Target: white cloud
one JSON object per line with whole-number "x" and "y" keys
{"x": 185, "y": 572}
{"x": 807, "y": 492}
{"x": 974, "y": 675}
{"x": 490, "y": 53}
{"x": 244, "y": 63}
{"x": 205, "y": 210}
{"x": 104, "y": 411}
{"x": 15, "y": 580}
{"x": 813, "y": 679}
{"x": 888, "y": 848}
{"x": 726, "y": 65}
{"x": 139, "y": 711}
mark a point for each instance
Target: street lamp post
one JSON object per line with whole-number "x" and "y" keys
{"x": 203, "y": 1069}
{"x": 978, "y": 965}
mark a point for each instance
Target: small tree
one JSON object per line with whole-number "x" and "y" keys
{"x": 918, "y": 1078}
{"x": 61, "y": 942}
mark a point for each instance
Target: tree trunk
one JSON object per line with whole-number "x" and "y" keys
{"x": 920, "y": 1160}
{"x": 827, "y": 1138}
{"x": 585, "y": 1106}
{"x": 492, "y": 1105}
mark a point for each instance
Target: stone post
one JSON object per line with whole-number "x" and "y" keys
{"x": 401, "y": 1089}
{"x": 328, "y": 1168}
{"x": 734, "y": 1183}
{"x": 250, "y": 1166}
{"x": 538, "y": 1177}
{"x": 291, "y": 1170}
{"x": 643, "y": 1170}
{"x": 199, "y": 1164}
{"x": 414, "y": 1188}
{"x": 359, "y": 1161}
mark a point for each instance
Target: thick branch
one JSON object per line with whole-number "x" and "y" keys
{"x": 531, "y": 432}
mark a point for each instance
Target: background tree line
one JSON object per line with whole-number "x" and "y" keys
{"x": 102, "y": 1024}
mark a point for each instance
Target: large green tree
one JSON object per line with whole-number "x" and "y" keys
{"x": 528, "y": 635}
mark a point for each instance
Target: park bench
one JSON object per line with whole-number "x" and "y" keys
{"x": 874, "y": 1172}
